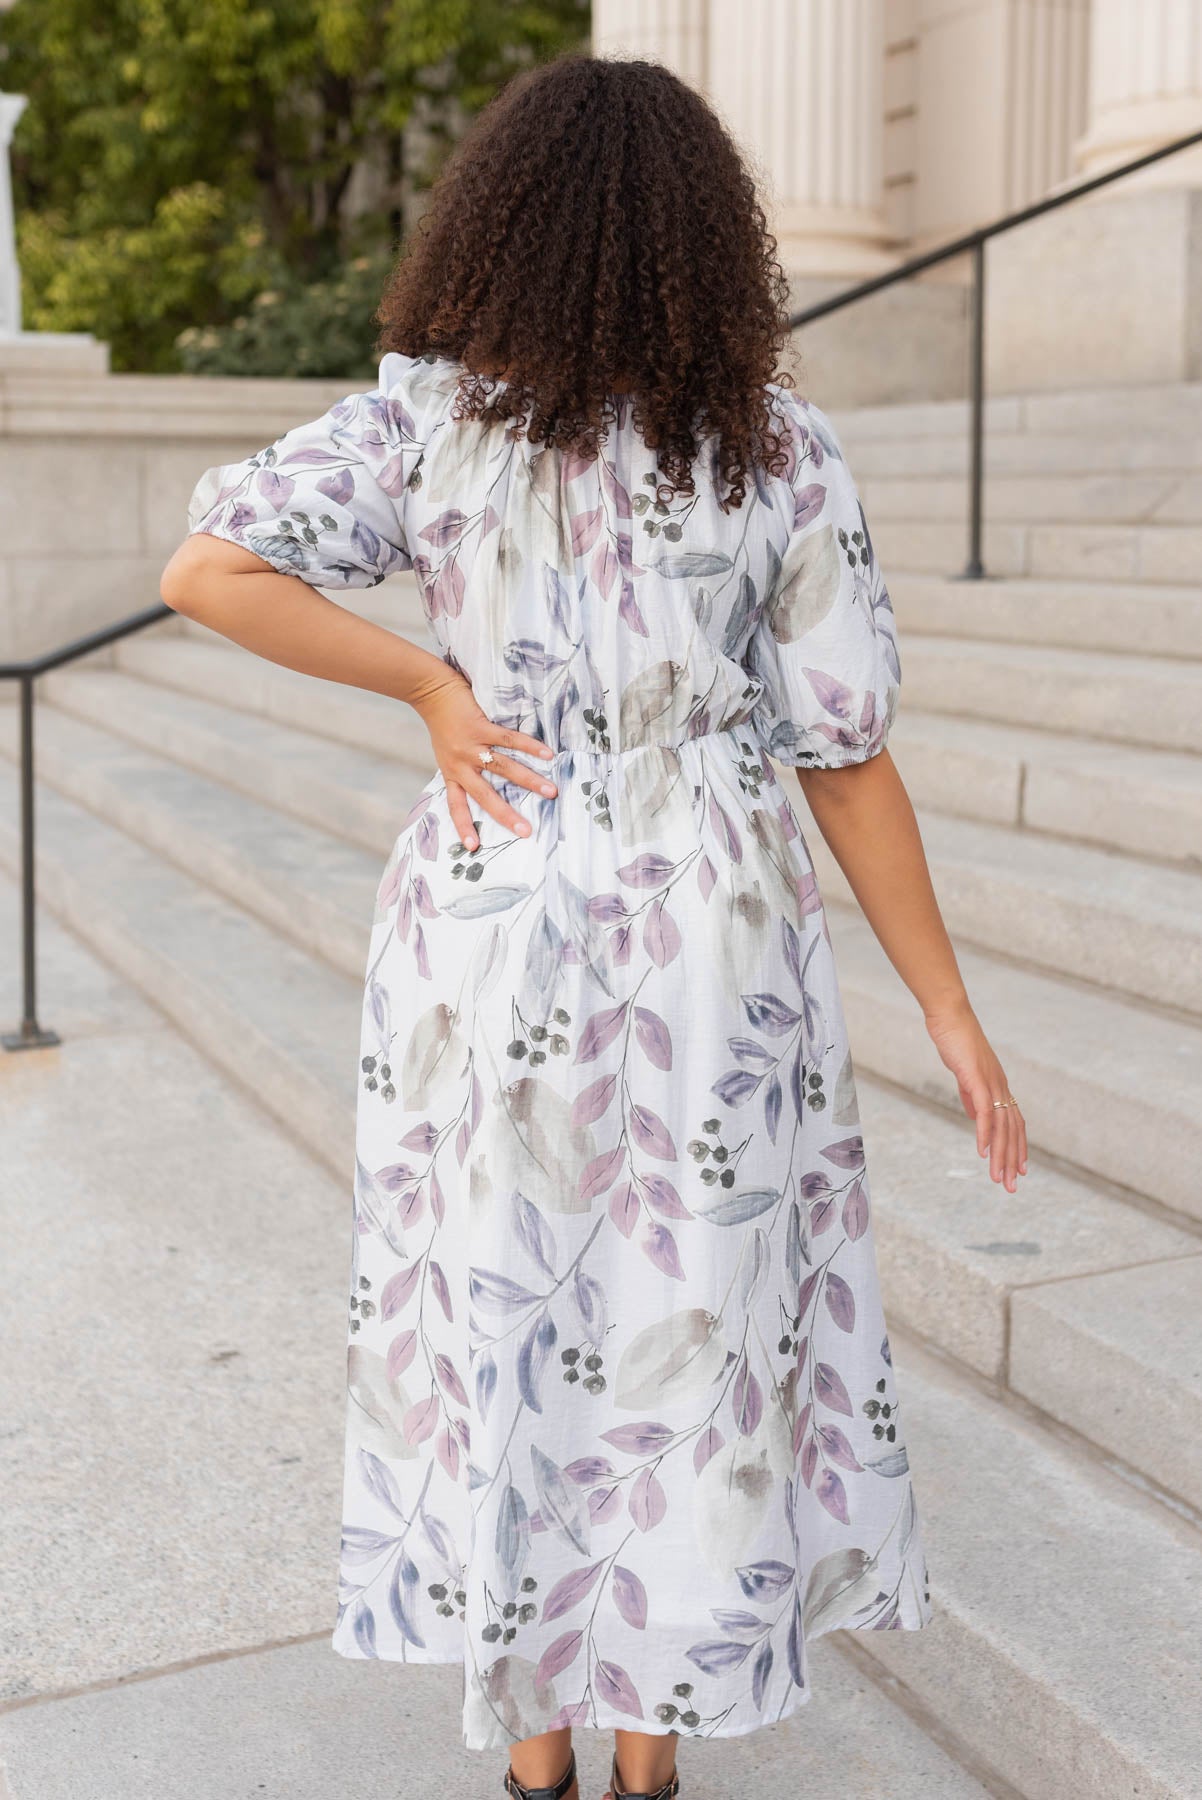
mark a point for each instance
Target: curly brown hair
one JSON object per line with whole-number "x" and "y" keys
{"x": 597, "y": 233}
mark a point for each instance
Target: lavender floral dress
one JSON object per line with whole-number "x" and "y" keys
{"x": 622, "y": 1430}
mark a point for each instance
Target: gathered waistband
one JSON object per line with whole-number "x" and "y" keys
{"x": 591, "y": 753}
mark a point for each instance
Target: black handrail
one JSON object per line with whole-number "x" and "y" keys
{"x": 974, "y": 242}
{"x": 30, "y": 1035}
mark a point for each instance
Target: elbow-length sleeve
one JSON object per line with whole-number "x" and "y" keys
{"x": 825, "y": 643}
{"x": 325, "y": 500}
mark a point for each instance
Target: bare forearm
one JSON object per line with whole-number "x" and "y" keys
{"x": 282, "y": 618}
{"x": 865, "y": 816}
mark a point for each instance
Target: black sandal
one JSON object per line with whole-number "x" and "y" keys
{"x": 514, "y": 1787}
{"x": 669, "y": 1790}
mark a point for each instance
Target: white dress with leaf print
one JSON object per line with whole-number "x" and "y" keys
{"x": 622, "y": 1431}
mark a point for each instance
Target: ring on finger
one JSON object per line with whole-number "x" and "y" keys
{"x": 486, "y": 756}
{"x": 1008, "y": 1101}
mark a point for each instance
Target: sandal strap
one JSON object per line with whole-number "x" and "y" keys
{"x": 669, "y": 1790}
{"x": 514, "y": 1787}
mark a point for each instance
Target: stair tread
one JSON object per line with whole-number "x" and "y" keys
{"x": 1051, "y": 1586}
{"x": 1083, "y": 1063}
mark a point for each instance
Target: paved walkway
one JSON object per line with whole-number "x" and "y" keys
{"x": 171, "y": 1348}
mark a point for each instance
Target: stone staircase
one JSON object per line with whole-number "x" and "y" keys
{"x": 214, "y": 827}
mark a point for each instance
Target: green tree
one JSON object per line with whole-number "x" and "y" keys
{"x": 179, "y": 158}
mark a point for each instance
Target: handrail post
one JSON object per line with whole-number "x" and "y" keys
{"x": 31, "y": 1035}
{"x": 975, "y": 567}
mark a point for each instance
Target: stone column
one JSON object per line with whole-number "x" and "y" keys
{"x": 801, "y": 85}
{"x": 11, "y": 108}
{"x": 1145, "y": 86}
{"x": 673, "y": 32}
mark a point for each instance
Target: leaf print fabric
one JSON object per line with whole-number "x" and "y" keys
{"x": 622, "y": 1430}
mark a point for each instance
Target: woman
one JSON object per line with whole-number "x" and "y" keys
{"x": 622, "y": 1430}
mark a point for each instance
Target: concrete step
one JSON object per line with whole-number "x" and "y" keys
{"x": 1149, "y": 411}
{"x": 1025, "y": 453}
{"x": 1142, "y": 700}
{"x": 1073, "y": 552}
{"x": 313, "y": 888}
{"x": 1118, "y": 796}
{"x": 218, "y": 670}
{"x": 1031, "y": 897}
{"x": 1068, "y": 1610}
{"x": 1150, "y": 497}
{"x": 1075, "y": 615}
{"x": 1015, "y": 1287}
{"x": 1103, "y": 1083}
{"x": 354, "y": 794}
{"x": 277, "y": 1020}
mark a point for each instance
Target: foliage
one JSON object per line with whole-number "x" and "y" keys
{"x": 179, "y": 157}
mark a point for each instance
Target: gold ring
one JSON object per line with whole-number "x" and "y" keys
{"x": 1008, "y": 1102}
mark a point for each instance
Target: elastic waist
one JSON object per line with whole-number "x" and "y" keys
{"x": 588, "y": 751}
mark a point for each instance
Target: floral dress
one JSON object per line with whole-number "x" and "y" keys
{"x": 622, "y": 1430}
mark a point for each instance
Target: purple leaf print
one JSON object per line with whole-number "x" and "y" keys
{"x": 809, "y": 1460}
{"x": 808, "y": 503}
{"x": 447, "y": 590}
{"x": 822, "y": 1215}
{"x": 795, "y": 1646}
{"x": 764, "y": 1580}
{"x": 648, "y": 1501}
{"x": 630, "y": 612}
{"x": 426, "y": 838}
{"x": 840, "y": 1301}
{"x": 659, "y": 1246}
{"x": 570, "y": 1590}
{"x": 748, "y": 1399}
{"x": 587, "y": 1471}
{"x": 724, "y": 827}
{"x": 605, "y": 570}
{"x": 533, "y": 1357}
{"x": 654, "y": 1038}
{"x": 558, "y": 1656}
{"x": 534, "y": 1234}
{"x": 855, "y": 1209}
{"x": 446, "y": 1449}
{"x": 663, "y": 1197}
{"x": 365, "y": 544}
{"x": 641, "y": 1439}
{"x": 751, "y": 1053}
{"x": 624, "y": 1208}
{"x": 848, "y": 1153}
{"x": 837, "y": 1447}
{"x": 442, "y": 1292}
{"x": 736, "y": 1086}
{"x": 600, "y": 1031}
{"x": 708, "y": 1444}
{"x": 835, "y": 696}
{"x": 397, "y": 1289}
{"x": 868, "y": 713}
{"x": 589, "y": 1105}
{"x": 393, "y": 476}
{"x": 630, "y": 1597}
{"x": 380, "y": 1481}
{"x": 604, "y": 1503}
{"x": 615, "y": 1686}
{"x": 437, "y": 1204}
{"x": 760, "y": 1673}
{"x": 591, "y": 1308}
{"x": 646, "y": 871}
{"x": 833, "y": 1495}
{"x": 806, "y": 1293}
{"x": 828, "y": 1385}
{"x": 446, "y": 529}
{"x": 772, "y": 1105}
{"x": 423, "y": 1137}
{"x": 401, "y": 1352}
{"x": 338, "y": 486}
{"x": 601, "y": 1172}
{"x": 707, "y": 875}
{"x": 651, "y": 1134}
{"x": 402, "y": 1594}
{"x": 276, "y": 489}
{"x": 420, "y": 1421}
{"x": 739, "y": 1624}
{"x": 661, "y": 935}
{"x": 585, "y": 527}
{"x": 497, "y": 1293}
{"x": 768, "y": 1012}
{"x": 718, "y": 1656}
{"x": 513, "y": 1530}
{"x": 445, "y": 1370}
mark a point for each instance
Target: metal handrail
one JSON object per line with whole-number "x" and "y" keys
{"x": 30, "y": 1035}
{"x": 973, "y": 243}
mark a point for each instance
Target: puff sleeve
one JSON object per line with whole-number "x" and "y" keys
{"x": 325, "y": 500}
{"x": 824, "y": 645}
